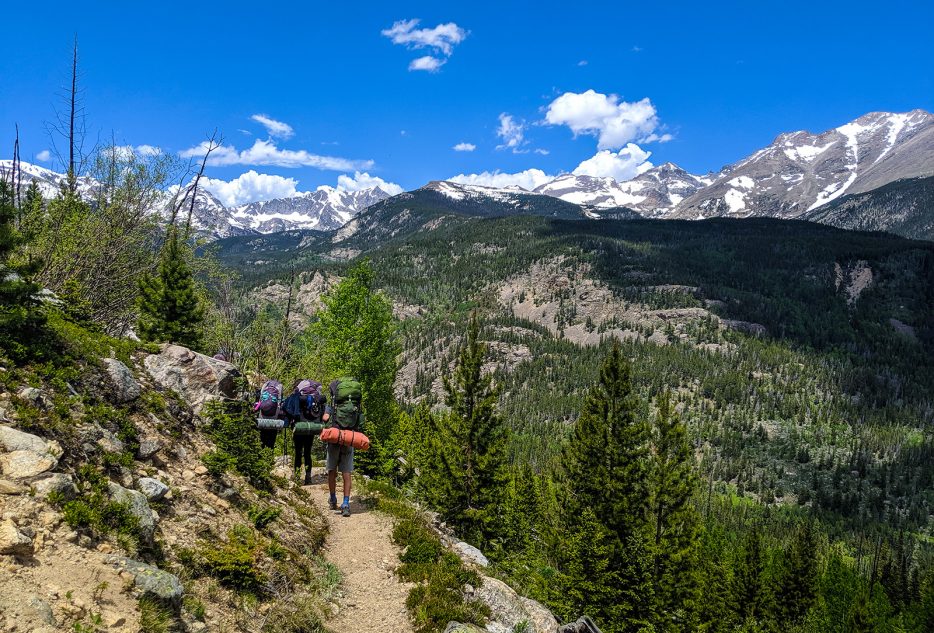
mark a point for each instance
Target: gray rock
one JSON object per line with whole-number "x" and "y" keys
{"x": 110, "y": 442}
{"x": 148, "y": 448}
{"x": 23, "y": 455}
{"x": 470, "y": 554}
{"x": 13, "y": 541}
{"x": 195, "y": 377}
{"x": 126, "y": 389}
{"x": 457, "y": 627}
{"x": 32, "y": 395}
{"x": 508, "y": 609}
{"x": 41, "y": 609}
{"x": 139, "y": 508}
{"x": 152, "y": 488}
{"x": 56, "y": 482}
{"x": 152, "y": 581}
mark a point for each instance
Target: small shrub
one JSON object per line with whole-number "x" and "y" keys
{"x": 154, "y": 616}
{"x": 217, "y": 462}
{"x": 232, "y": 427}
{"x": 94, "y": 509}
{"x": 261, "y": 517}
{"x": 233, "y": 564}
{"x": 194, "y": 606}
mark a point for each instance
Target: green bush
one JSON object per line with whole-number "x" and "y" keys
{"x": 94, "y": 509}
{"x": 262, "y": 516}
{"x": 234, "y": 564}
{"x": 232, "y": 427}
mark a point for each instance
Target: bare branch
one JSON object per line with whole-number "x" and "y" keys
{"x": 213, "y": 143}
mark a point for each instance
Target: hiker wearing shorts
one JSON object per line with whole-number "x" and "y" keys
{"x": 343, "y": 412}
{"x": 305, "y": 409}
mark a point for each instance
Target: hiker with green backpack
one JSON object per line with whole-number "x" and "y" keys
{"x": 345, "y": 414}
{"x": 305, "y": 409}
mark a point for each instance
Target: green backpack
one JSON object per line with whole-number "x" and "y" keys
{"x": 346, "y": 394}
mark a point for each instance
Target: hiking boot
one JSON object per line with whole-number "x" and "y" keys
{"x": 332, "y": 503}
{"x": 345, "y": 510}
{"x": 308, "y": 477}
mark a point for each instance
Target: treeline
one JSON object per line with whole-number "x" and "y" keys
{"x": 623, "y": 529}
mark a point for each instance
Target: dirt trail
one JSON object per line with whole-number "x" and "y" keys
{"x": 361, "y": 548}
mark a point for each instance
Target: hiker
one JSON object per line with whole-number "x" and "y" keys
{"x": 271, "y": 416}
{"x": 305, "y": 410}
{"x": 343, "y": 412}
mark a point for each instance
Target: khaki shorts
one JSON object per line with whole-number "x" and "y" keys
{"x": 339, "y": 458}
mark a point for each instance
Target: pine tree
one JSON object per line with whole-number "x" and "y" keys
{"x": 20, "y": 318}
{"x": 797, "y": 583}
{"x": 607, "y": 471}
{"x": 169, "y": 307}
{"x": 355, "y": 333}
{"x": 750, "y": 599}
{"x": 675, "y": 518}
{"x": 473, "y": 475}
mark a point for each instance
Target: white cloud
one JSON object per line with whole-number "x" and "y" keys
{"x": 623, "y": 165}
{"x": 148, "y": 150}
{"x": 250, "y": 187}
{"x": 582, "y": 62}
{"x": 615, "y": 123}
{"x": 427, "y": 63}
{"x": 267, "y": 153}
{"x": 442, "y": 38}
{"x": 276, "y": 129}
{"x": 512, "y": 132}
{"x": 528, "y": 179}
{"x": 464, "y": 147}
{"x": 361, "y": 181}
{"x": 44, "y": 155}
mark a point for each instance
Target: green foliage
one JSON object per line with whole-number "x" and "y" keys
{"x": 262, "y": 516}
{"x": 232, "y": 427}
{"x": 438, "y": 597}
{"x": 797, "y": 581}
{"x": 94, "y": 509}
{"x": 467, "y": 448}
{"x": 20, "y": 317}
{"x": 170, "y": 308}
{"x": 295, "y": 615}
{"x": 234, "y": 563}
{"x": 355, "y": 336}
{"x": 154, "y": 616}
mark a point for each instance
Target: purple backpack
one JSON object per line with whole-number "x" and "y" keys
{"x": 270, "y": 399}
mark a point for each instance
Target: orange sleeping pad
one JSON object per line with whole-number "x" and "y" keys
{"x": 345, "y": 437}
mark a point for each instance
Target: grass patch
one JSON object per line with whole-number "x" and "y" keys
{"x": 297, "y": 615}
{"x": 154, "y": 616}
{"x": 262, "y": 516}
{"x": 234, "y": 564}
{"x": 94, "y": 509}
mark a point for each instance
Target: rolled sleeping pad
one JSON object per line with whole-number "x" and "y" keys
{"x": 270, "y": 423}
{"x": 307, "y": 428}
{"x": 345, "y": 437}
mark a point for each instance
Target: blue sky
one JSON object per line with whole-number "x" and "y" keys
{"x": 532, "y": 86}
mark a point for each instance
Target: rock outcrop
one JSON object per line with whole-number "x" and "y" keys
{"x": 13, "y": 541}
{"x": 23, "y": 455}
{"x": 509, "y": 610}
{"x": 197, "y": 378}
{"x": 138, "y": 506}
{"x": 152, "y": 581}
{"x": 125, "y": 387}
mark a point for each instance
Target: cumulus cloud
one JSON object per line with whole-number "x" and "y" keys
{"x": 275, "y": 129}
{"x": 45, "y": 155}
{"x": 361, "y": 181}
{"x": 267, "y": 153}
{"x": 441, "y": 39}
{"x": 615, "y": 123}
{"x": 464, "y": 147}
{"x": 623, "y": 165}
{"x": 148, "y": 150}
{"x": 528, "y": 179}
{"x": 427, "y": 63}
{"x": 250, "y": 187}
{"x": 512, "y": 132}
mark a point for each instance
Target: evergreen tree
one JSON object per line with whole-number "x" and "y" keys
{"x": 355, "y": 333}
{"x": 20, "y": 318}
{"x": 797, "y": 583}
{"x": 169, "y": 307}
{"x": 750, "y": 598}
{"x": 607, "y": 471}
{"x": 675, "y": 518}
{"x": 473, "y": 477}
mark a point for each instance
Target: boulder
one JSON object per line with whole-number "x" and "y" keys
{"x": 195, "y": 377}
{"x": 152, "y": 488}
{"x": 23, "y": 455}
{"x": 148, "y": 448}
{"x": 125, "y": 387}
{"x": 151, "y": 581}
{"x": 10, "y": 488}
{"x": 56, "y": 482}
{"x": 508, "y": 609}
{"x": 470, "y": 554}
{"x": 457, "y": 627}
{"x": 139, "y": 507}
{"x": 12, "y": 541}
{"x": 109, "y": 442}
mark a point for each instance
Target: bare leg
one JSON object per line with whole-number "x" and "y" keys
{"x": 346, "y": 477}
{"x": 332, "y": 482}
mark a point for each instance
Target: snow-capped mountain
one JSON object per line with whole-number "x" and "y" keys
{"x": 325, "y": 209}
{"x": 653, "y": 193}
{"x": 800, "y": 171}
